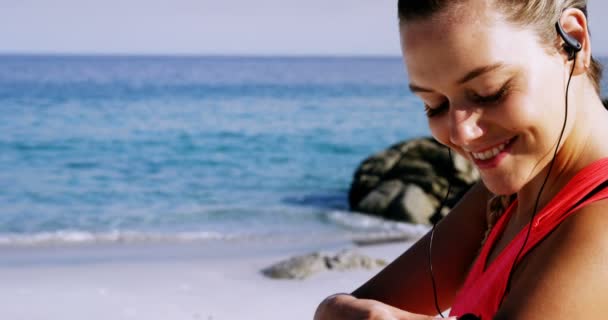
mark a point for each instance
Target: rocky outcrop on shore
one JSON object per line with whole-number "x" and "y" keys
{"x": 408, "y": 181}
{"x": 301, "y": 267}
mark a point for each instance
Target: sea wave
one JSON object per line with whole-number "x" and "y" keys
{"x": 67, "y": 237}
{"x": 343, "y": 226}
{"x": 367, "y": 228}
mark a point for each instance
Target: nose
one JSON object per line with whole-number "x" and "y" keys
{"x": 464, "y": 126}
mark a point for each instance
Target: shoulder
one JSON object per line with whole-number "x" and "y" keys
{"x": 583, "y": 234}
{"x": 566, "y": 276}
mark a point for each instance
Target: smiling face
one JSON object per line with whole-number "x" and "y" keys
{"x": 492, "y": 91}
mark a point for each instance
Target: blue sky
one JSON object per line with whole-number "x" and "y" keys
{"x": 261, "y": 27}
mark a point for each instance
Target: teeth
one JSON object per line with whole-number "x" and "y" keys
{"x": 488, "y": 154}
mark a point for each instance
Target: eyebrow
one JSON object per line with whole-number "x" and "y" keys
{"x": 468, "y": 77}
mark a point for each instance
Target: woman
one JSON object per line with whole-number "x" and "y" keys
{"x": 504, "y": 89}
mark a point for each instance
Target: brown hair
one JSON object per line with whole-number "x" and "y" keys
{"x": 538, "y": 14}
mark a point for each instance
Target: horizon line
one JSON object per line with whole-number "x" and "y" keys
{"x": 196, "y": 55}
{"x": 211, "y": 55}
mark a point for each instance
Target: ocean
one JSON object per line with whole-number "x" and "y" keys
{"x": 97, "y": 149}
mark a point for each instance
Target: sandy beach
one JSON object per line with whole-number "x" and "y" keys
{"x": 168, "y": 281}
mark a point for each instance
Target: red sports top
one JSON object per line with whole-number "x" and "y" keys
{"x": 484, "y": 286}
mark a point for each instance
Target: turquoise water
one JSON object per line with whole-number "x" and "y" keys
{"x": 116, "y": 148}
{"x": 159, "y": 148}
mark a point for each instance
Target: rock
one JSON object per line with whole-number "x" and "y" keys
{"x": 297, "y": 267}
{"x": 408, "y": 181}
{"x": 417, "y": 205}
{"x": 384, "y": 162}
{"x": 378, "y": 200}
{"x": 349, "y": 259}
{"x": 465, "y": 170}
{"x": 301, "y": 267}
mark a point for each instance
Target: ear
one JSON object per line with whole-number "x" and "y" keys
{"x": 574, "y": 23}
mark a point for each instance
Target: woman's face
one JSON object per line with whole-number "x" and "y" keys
{"x": 492, "y": 91}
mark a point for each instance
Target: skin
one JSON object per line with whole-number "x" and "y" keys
{"x": 405, "y": 283}
{"x": 531, "y": 111}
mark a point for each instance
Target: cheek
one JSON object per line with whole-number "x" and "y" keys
{"x": 534, "y": 113}
{"x": 439, "y": 130}
{"x": 518, "y": 112}
{"x": 536, "y": 107}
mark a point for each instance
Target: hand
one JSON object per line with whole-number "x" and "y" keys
{"x": 347, "y": 307}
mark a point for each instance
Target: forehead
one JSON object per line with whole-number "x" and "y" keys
{"x": 460, "y": 13}
{"x": 459, "y": 39}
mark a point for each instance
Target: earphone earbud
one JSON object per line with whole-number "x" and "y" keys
{"x": 571, "y": 45}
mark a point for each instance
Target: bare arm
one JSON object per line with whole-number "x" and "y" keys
{"x": 566, "y": 275}
{"x": 406, "y": 282}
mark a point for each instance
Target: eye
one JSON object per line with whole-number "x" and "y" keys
{"x": 493, "y": 98}
{"x": 435, "y": 111}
